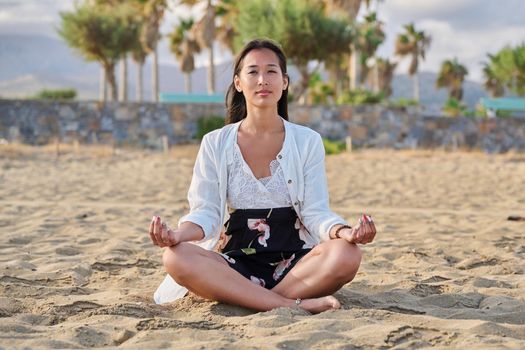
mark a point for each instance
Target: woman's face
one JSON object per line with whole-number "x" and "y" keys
{"x": 261, "y": 79}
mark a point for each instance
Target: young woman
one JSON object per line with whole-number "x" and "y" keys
{"x": 282, "y": 246}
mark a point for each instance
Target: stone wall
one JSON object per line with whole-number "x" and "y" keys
{"x": 140, "y": 124}
{"x": 144, "y": 124}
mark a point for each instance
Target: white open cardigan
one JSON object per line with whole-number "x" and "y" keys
{"x": 302, "y": 160}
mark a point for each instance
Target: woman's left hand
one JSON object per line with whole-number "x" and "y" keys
{"x": 364, "y": 232}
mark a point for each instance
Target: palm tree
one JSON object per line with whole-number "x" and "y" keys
{"x": 507, "y": 66}
{"x": 184, "y": 46}
{"x": 123, "y": 80}
{"x": 413, "y": 44}
{"x": 370, "y": 35}
{"x": 111, "y": 5}
{"x": 153, "y": 12}
{"x": 451, "y": 76}
{"x": 380, "y": 77}
{"x": 204, "y": 31}
{"x": 138, "y": 55}
{"x": 493, "y": 84}
{"x": 99, "y": 35}
{"x": 349, "y": 9}
{"x": 227, "y": 12}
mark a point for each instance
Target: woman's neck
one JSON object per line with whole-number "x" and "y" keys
{"x": 258, "y": 120}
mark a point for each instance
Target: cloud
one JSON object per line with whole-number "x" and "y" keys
{"x": 470, "y": 47}
{"x": 466, "y": 29}
{"x": 413, "y": 8}
{"x": 32, "y": 17}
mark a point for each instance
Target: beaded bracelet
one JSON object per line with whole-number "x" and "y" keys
{"x": 340, "y": 228}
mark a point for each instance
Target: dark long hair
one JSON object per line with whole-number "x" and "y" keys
{"x": 235, "y": 102}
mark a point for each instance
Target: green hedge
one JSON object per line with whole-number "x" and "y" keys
{"x": 333, "y": 147}
{"x": 360, "y": 97}
{"x": 207, "y": 124}
{"x": 56, "y": 94}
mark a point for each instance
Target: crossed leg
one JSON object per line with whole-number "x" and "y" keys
{"x": 323, "y": 271}
{"x": 207, "y": 274}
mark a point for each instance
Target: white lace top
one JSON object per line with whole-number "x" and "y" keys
{"x": 245, "y": 191}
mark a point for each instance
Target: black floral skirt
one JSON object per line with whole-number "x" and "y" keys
{"x": 263, "y": 245}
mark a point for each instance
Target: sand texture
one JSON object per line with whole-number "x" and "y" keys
{"x": 77, "y": 268}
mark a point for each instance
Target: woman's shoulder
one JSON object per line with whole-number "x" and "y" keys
{"x": 302, "y": 132}
{"x": 221, "y": 133}
{"x": 218, "y": 139}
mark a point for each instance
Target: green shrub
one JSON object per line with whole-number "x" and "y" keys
{"x": 319, "y": 92}
{"x": 360, "y": 97}
{"x": 207, "y": 124}
{"x": 454, "y": 108}
{"x": 333, "y": 147}
{"x": 56, "y": 94}
{"x": 404, "y": 102}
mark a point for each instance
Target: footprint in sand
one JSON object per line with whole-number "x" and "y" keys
{"x": 89, "y": 241}
{"x": 472, "y": 263}
{"x": 20, "y": 240}
{"x": 488, "y": 283}
{"x": 68, "y": 251}
{"x": 423, "y": 290}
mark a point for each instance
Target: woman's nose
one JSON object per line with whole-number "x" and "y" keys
{"x": 262, "y": 80}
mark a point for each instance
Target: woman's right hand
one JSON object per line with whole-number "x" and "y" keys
{"x": 161, "y": 234}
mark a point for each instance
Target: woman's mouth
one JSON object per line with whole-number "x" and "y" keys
{"x": 263, "y": 92}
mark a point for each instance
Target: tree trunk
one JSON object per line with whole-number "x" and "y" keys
{"x": 187, "y": 82}
{"x": 123, "y": 81}
{"x": 155, "y": 75}
{"x": 376, "y": 85}
{"x": 211, "y": 71}
{"x": 415, "y": 79}
{"x": 103, "y": 85}
{"x": 354, "y": 67}
{"x": 303, "y": 84}
{"x": 110, "y": 73}
{"x": 139, "y": 87}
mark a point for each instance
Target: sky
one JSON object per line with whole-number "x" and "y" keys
{"x": 462, "y": 29}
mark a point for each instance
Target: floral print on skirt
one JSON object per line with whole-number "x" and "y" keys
{"x": 263, "y": 245}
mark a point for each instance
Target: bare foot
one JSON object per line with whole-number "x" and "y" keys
{"x": 317, "y": 305}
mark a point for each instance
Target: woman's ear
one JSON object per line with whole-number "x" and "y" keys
{"x": 237, "y": 83}
{"x": 285, "y": 81}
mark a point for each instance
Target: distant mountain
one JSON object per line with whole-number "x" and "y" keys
{"x": 29, "y": 63}
{"x": 432, "y": 98}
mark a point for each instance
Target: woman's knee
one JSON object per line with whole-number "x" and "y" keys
{"x": 177, "y": 262}
{"x": 345, "y": 259}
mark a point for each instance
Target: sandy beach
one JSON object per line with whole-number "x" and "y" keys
{"x": 77, "y": 268}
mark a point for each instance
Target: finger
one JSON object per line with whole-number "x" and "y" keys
{"x": 154, "y": 231}
{"x": 372, "y": 229}
{"x": 361, "y": 230}
{"x": 164, "y": 233}
{"x": 157, "y": 229}
{"x": 371, "y": 232}
{"x": 153, "y": 238}
{"x": 355, "y": 234}
{"x": 151, "y": 234}
{"x": 367, "y": 233}
{"x": 171, "y": 237}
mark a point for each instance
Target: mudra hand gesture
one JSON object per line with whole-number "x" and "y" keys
{"x": 161, "y": 234}
{"x": 362, "y": 233}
